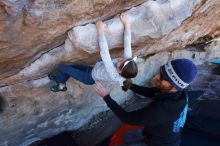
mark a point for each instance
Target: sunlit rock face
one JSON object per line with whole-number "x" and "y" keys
{"x": 31, "y": 27}
{"x": 37, "y": 35}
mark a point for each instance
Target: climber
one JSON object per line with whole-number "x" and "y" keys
{"x": 116, "y": 70}
{"x": 164, "y": 118}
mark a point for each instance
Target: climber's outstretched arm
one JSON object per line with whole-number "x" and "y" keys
{"x": 127, "y": 36}
{"x": 105, "y": 55}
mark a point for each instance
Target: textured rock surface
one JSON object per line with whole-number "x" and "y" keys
{"x": 28, "y": 28}
{"x": 152, "y": 24}
{"x": 31, "y": 30}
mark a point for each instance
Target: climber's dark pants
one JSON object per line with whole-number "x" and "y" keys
{"x": 81, "y": 73}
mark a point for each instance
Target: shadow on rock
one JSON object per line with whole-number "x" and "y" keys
{"x": 1, "y": 104}
{"x": 216, "y": 70}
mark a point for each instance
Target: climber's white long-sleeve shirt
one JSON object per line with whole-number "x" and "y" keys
{"x": 106, "y": 70}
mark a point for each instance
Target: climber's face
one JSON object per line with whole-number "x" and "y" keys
{"x": 120, "y": 64}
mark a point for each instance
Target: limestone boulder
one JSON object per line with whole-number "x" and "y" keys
{"x": 155, "y": 26}
{"x": 35, "y": 36}
{"x": 29, "y": 28}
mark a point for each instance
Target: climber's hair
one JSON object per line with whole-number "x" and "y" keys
{"x": 129, "y": 68}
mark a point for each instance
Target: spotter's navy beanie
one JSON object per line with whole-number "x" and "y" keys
{"x": 179, "y": 72}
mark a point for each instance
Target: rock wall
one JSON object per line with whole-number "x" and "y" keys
{"x": 37, "y": 35}
{"x": 31, "y": 27}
